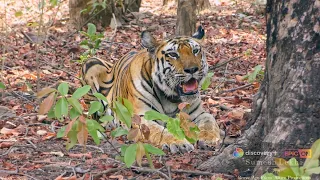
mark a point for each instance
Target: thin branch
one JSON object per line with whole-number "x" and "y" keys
{"x": 38, "y": 44}
{"x": 114, "y": 32}
{"x": 237, "y": 88}
{"x": 204, "y": 173}
{"x": 112, "y": 170}
{"x": 4, "y": 47}
{"x": 223, "y": 63}
{"x": 151, "y": 171}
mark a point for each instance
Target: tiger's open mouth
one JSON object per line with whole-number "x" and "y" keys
{"x": 188, "y": 88}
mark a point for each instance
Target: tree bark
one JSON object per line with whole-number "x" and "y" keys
{"x": 186, "y": 18}
{"x": 77, "y": 19}
{"x": 166, "y": 2}
{"x": 104, "y": 16}
{"x": 286, "y": 111}
{"x": 203, "y": 4}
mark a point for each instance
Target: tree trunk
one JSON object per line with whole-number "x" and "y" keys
{"x": 77, "y": 19}
{"x": 186, "y": 18}
{"x": 166, "y": 2}
{"x": 104, "y": 16}
{"x": 203, "y": 4}
{"x": 286, "y": 111}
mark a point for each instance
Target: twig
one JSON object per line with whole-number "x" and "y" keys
{"x": 114, "y": 32}
{"x": 204, "y": 173}
{"x": 9, "y": 150}
{"x": 16, "y": 172}
{"x": 37, "y": 46}
{"x": 112, "y": 170}
{"x": 169, "y": 172}
{"x": 223, "y": 63}
{"x": 30, "y": 142}
{"x": 151, "y": 171}
{"x": 110, "y": 143}
{"x": 237, "y": 88}
{"x": 63, "y": 70}
{"x": 4, "y": 47}
{"x": 18, "y": 95}
{"x": 27, "y": 36}
{"x": 95, "y": 147}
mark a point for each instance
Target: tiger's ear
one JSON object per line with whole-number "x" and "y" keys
{"x": 199, "y": 34}
{"x": 148, "y": 41}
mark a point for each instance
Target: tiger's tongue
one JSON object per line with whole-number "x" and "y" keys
{"x": 190, "y": 86}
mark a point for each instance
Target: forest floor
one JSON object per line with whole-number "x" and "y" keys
{"x": 29, "y": 149}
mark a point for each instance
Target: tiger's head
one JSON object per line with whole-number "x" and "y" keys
{"x": 180, "y": 65}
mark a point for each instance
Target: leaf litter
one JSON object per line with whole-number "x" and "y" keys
{"x": 28, "y": 141}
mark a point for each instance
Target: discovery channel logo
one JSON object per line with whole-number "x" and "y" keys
{"x": 238, "y": 153}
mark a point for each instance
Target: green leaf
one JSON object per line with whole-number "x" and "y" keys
{"x": 53, "y": 2}
{"x": 91, "y": 29}
{"x": 101, "y": 97}
{"x": 123, "y": 113}
{"x": 153, "y": 150}
{"x": 94, "y": 107}
{"x": 311, "y": 171}
{"x": 18, "y": 13}
{"x": 93, "y": 128}
{"x": 74, "y": 113}
{"x": 128, "y": 105}
{"x": 106, "y": 118}
{"x": 2, "y": 86}
{"x": 61, "y": 131}
{"x": 130, "y": 155}
{"x": 294, "y": 164}
{"x": 123, "y": 149}
{"x": 154, "y": 115}
{"x": 83, "y": 11}
{"x": 51, "y": 113}
{"x": 173, "y": 126}
{"x": 61, "y": 108}
{"x": 252, "y": 77}
{"x": 81, "y": 91}
{"x": 207, "y": 81}
{"x": 75, "y": 104}
{"x": 63, "y": 88}
{"x": 72, "y": 136}
{"x": 85, "y": 46}
{"x": 268, "y": 176}
{"x": 149, "y": 159}
{"x": 313, "y": 161}
{"x": 119, "y": 132}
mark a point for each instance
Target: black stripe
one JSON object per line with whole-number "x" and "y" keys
{"x": 197, "y": 117}
{"x": 110, "y": 81}
{"x": 91, "y": 63}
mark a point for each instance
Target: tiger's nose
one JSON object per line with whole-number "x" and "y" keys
{"x": 191, "y": 70}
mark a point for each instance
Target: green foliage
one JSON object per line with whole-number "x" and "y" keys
{"x": 2, "y": 86}
{"x": 180, "y": 127}
{"x": 291, "y": 168}
{"x": 91, "y": 43}
{"x": 61, "y": 105}
{"x": 207, "y": 81}
{"x": 256, "y": 75}
{"x": 94, "y": 6}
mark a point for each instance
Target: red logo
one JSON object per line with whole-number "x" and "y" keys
{"x": 302, "y": 153}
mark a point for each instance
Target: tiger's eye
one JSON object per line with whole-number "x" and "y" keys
{"x": 173, "y": 55}
{"x": 195, "y": 51}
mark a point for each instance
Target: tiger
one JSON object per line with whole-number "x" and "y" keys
{"x": 159, "y": 77}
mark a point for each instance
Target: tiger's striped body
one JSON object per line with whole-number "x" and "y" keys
{"x": 159, "y": 77}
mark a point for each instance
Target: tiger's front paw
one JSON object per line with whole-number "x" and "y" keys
{"x": 174, "y": 148}
{"x": 210, "y": 134}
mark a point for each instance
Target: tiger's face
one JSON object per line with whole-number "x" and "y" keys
{"x": 180, "y": 66}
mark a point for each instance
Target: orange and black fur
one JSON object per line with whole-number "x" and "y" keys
{"x": 158, "y": 77}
